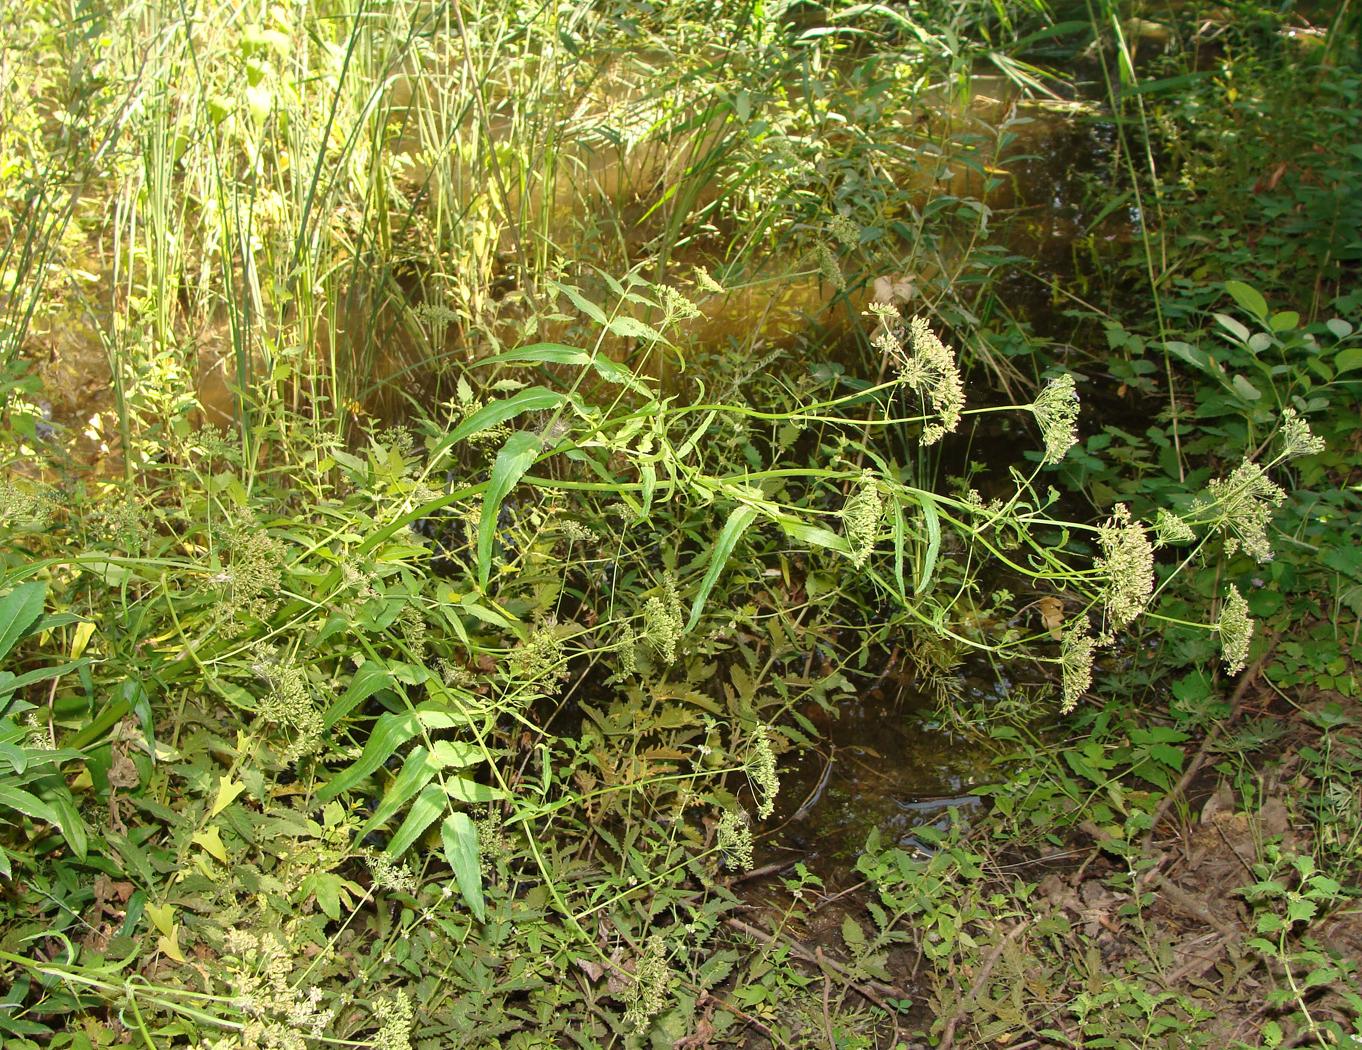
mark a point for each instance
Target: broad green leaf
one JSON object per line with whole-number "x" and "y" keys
{"x": 73, "y": 829}
{"x": 515, "y": 457}
{"x": 23, "y": 802}
{"x": 558, "y": 354}
{"x": 390, "y": 732}
{"x": 632, "y": 328}
{"x": 460, "y": 840}
{"x": 813, "y": 535}
{"x": 326, "y": 887}
{"x": 18, "y": 609}
{"x": 534, "y": 399}
{"x": 1245, "y": 389}
{"x": 578, "y": 300}
{"x": 417, "y": 771}
{"x": 738, "y": 521}
{"x": 1249, "y": 298}
{"x": 427, "y": 808}
{"x": 1348, "y": 360}
{"x": 933, "y": 521}
{"x": 461, "y": 789}
{"x": 1195, "y": 357}
{"x": 1233, "y": 326}
{"x": 15, "y": 757}
{"x": 42, "y": 674}
{"x": 368, "y": 680}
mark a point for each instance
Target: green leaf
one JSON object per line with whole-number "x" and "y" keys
{"x": 1193, "y": 356}
{"x": 736, "y": 525}
{"x": 632, "y": 328}
{"x": 22, "y": 802}
{"x": 1235, "y": 327}
{"x": 1245, "y": 389}
{"x": 933, "y": 521}
{"x": 18, "y": 609}
{"x": 578, "y": 300}
{"x": 423, "y": 813}
{"x": 813, "y": 535}
{"x": 1248, "y": 298}
{"x": 461, "y": 789}
{"x": 1348, "y": 360}
{"x": 516, "y": 456}
{"x": 326, "y": 887}
{"x": 417, "y": 771}
{"x": 390, "y": 732}
{"x": 533, "y": 399}
{"x": 367, "y": 681}
{"x": 13, "y": 683}
{"x": 460, "y": 840}
{"x": 558, "y": 354}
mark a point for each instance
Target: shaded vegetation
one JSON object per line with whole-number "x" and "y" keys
{"x": 457, "y": 460}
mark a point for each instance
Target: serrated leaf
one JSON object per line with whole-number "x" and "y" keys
{"x": 742, "y": 516}
{"x": 632, "y": 328}
{"x": 18, "y": 610}
{"x": 460, "y": 840}
{"x": 516, "y": 457}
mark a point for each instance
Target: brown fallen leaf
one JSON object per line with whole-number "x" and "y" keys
{"x": 1052, "y": 616}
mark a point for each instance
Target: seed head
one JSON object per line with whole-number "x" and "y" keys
{"x": 861, "y": 518}
{"x": 1076, "y": 651}
{"x": 1128, "y": 560}
{"x": 761, "y": 769}
{"x": 395, "y": 1017}
{"x": 1236, "y": 631}
{"x": 653, "y": 980}
{"x": 1170, "y": 528}
{"x": 1056, "y": 411}
{"x": 1296, "y": 437}
{"x": 734, "y": 839}
{"x": 662, "y": 623}
{"x": 1241, "y": 507}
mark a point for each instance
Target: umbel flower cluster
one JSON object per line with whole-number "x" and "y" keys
{"x": 861, "y": 517}
{"x": 924, "y": 363}
{"x": 1238, "y": 507}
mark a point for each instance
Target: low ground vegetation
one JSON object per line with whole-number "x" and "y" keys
{"x": 457, "y": 459}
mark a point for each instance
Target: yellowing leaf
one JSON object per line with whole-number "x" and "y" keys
{"x": 171, "y": 945}
{"x": 211, "y": 841}
{"x": 80, "y": 637}
{"x": 228, "y": 790}
{"x": 162, "y": 916}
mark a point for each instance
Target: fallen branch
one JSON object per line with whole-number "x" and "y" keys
{"x": 1204, "y": 752}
